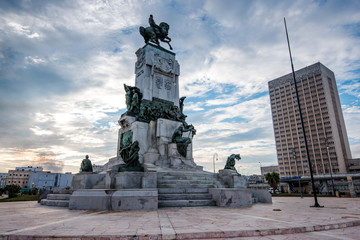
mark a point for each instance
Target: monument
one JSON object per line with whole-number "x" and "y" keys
{"x": 154, "y": 166}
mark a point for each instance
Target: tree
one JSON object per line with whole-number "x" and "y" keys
{"x": 273, "y": 180}
{"x": 12, "y": 190}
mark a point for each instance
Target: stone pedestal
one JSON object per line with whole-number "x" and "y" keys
{"x": 152, "y": 156}
{"x": 90, "y": 200}
{"x": 128, "y": 180}
{"x": 134, "y": 199}
{"x": 262, "y": 196}
{"x": 157, "y": 74}
{"x": 177, "y": 161}
{"x": 232, "y": 179}
{"x": 227, "y": 197}
{"x": 129, "y": 199}
{"x": 88, "y": 181}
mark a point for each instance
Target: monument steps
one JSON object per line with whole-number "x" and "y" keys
{"x": 186, "y": 189}
{"x": 186, "y": 185}
{"x": 193, "y": 181}
{"x": 182, "y": 190}
{"x": 187, "y": 177}
{"x": 192, "y": 196}
{"x": 56, "y": 200}
{"x": 58, "y": 196}
{"x": 186, "y": 203}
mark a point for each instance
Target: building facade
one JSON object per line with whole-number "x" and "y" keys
{"x": 354, "y": 165}
{"x": 3, "y": 177}
{"x": 97, "y": 168}
{"x": 323, "y": 121}
{"x": 49, "y": 181}
{"x": 20, "y": 176}
{"x": 269, "y": 169}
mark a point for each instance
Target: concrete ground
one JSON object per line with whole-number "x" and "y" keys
{"x": 285, "y": 218}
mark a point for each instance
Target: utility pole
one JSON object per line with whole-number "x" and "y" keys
{"x": 260, "y": 168}
{"x": 302, "y": 122}
{"x": 330, "y": 167}
{"x": 215, "y": 158}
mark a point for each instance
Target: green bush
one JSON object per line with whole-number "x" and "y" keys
{"x": 12, "y": 190}
{"x": 34, "y": 191}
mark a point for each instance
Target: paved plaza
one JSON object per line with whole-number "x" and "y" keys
{"x": 285, "y": 218}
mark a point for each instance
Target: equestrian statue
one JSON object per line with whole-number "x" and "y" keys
{"x": 155, "y": 32}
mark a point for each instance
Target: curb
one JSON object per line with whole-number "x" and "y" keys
{"x": 199, "y": 235}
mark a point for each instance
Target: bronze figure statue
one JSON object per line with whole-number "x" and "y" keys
{"x": 230, "y": 162}
{"x": 130, "y": 156}
{"x": 133, "y": 98}
{"x": 155, "y": 32}
{"x": 181, "y": 104}
{"x": 181, "y": 142}
{"x": 86, "y": 165}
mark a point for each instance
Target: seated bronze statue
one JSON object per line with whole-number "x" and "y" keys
{"x": 86, "y": 165}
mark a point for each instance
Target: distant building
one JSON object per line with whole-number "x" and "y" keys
{"x": 323, "y": 119}
{"x": 98, "y": 168}
{"x": 269, "y": 169}
{"x": 29, "y": 168}
{"x": 354, "y": 165}
{"x": 253, "y": 179}
{"x": 48, "y": 181}
{"x": 3, "y": 177}
{"x": 20, "y": 176}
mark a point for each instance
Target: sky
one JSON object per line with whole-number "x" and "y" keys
{"x": 63, "y": 65}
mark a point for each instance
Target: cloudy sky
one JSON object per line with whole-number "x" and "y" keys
{"x": 63, "y": 65}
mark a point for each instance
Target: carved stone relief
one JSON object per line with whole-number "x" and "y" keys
{"x": 163, "y": 64}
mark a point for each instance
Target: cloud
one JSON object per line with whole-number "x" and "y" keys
{"x": 63, "y": 65}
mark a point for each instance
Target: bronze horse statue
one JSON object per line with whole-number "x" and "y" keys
{"x": 154, "y": 33}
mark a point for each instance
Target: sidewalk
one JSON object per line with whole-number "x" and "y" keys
{"x": 339, "y": 219}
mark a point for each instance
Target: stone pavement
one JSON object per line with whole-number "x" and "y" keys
{"x": 285, "y": 218}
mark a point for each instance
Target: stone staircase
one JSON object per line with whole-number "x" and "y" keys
{"x": 56, "y": 200}
{"x": 186, "y": 189}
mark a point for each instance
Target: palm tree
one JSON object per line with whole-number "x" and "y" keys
{"x": 273, "y": 180}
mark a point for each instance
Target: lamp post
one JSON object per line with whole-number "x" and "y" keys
{"x": 302, "y": 122}
{"x": 297, "y": 171}
{"x": 215, "y": 158}
{"x": 260, "y": 168}
{"x": 330, "y": 168}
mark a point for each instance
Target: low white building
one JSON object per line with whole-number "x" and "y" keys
{"x": 3, "y": 177}
{"x": 48, "y": 181}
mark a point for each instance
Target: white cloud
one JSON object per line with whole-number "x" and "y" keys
{"x": 34, "y": 60}
{"x": 23, "y": 30}
{"x": 79, "y": 54}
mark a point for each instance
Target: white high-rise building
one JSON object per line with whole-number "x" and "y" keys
{"x": 323, "y": 119}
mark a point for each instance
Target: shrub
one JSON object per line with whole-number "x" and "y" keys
{"x": 12, "y": 190}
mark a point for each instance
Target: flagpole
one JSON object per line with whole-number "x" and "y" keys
{"x": 302, "y": 121}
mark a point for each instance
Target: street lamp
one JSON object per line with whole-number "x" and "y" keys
{"x": 330, "y": 168}
{"x": 260, "y": 168}
{"x": 297, "y": 171}
{"x": 215, "y": 158}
